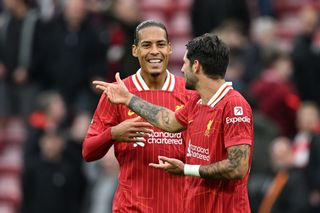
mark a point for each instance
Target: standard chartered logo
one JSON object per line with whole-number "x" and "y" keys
{"x": 198, "y": 152}
{"x": 165, "y": 138}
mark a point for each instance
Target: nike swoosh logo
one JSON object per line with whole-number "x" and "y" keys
{"x": 130, "y": 113}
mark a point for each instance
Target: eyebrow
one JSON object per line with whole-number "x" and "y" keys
{"x": 159, "y": 41}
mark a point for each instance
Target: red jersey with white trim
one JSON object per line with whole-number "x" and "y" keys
{"x": 225, "y": 121}
{"x": 141, "y": 187}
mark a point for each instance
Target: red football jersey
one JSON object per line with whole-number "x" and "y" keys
{"x": 225, "y": 121}
{"x": 141, "y": 188}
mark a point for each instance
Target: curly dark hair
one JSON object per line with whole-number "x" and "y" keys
{"x": 211, "y": 52}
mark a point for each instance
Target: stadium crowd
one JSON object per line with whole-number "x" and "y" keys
{"x": 51, "y": 50}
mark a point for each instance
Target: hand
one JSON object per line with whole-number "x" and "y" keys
{"x": 170, "y": 165}
{"x": 117, "y": 93}
{"x": 131, "y": 130}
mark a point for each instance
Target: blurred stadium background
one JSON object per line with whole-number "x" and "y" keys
{"x": 51, "y": 50}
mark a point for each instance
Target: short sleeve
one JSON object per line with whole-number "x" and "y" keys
{"x": 104, "y": 117}
{"x": 182, "y": 115}
{"x": 237, "y": 122}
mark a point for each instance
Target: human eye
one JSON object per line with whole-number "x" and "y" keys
{"x": 162, "y": 44}
{"x": 145, "y": 45}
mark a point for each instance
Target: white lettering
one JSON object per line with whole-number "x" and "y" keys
{"x": 233, "y": 120}
{"x": 198, "y": 152}
{"x": 165, "y": 138}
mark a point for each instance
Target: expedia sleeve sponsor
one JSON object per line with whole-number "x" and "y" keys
{"x": 165, "y": 138}
{"x": 233, "y": 120}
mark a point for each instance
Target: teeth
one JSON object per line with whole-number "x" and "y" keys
{"x": 155, "y": 61}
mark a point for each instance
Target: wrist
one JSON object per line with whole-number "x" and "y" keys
{"x": 130, "y": 95}
{"x": 191, "y": 170}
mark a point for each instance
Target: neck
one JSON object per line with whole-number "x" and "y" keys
{"x": 154, "y": 82}
{"x": 208, "y": 87}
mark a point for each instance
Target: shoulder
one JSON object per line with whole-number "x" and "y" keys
{"x": 128, "y": 81}
{"x": 179, "y": 81}
{"x": 234, "y": 100}
{"x": 235, "y": 96}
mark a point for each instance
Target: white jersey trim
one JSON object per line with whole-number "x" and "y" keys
{"x": 222, "y": 91}
{"x": 141, "y": 84}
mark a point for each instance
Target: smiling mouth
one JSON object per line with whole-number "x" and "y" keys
{"x": 154, "y": 61}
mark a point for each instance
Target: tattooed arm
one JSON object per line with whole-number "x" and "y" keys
{"x": 234, "y": 167}
{"x": 158, "y": 116}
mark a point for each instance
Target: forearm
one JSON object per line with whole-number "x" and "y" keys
{"x": 221, "y": 170}
{"x": 234, "y": 167}
{"x": 96, "y": 146}
{"x": 158, "y": 116}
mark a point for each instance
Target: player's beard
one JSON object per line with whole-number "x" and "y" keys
{"x": 191, "y": 81}
{"x": 155, "y": 74}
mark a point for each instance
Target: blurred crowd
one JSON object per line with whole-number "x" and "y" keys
{"x": 51, "y": 50}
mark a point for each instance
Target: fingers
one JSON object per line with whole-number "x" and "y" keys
{"x": 118, "y": 79}
{"x": 136, "y": 139}
{"x": 166, "y": 159}
{"x": 166, "y": 165}
{"x": 138, "y": 134}
{"x": 136, "y": 122}
{"x": 102, "y": 88}
{"x": 140, "y": 129}
{"x": 142, "y": 124}
{"x": 158, "y": 166}
{"x": 101, "y": 83}
{"x": 138, "y": 118}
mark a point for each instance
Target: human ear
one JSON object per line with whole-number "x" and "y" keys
{"x": 196, "y": 66}
{"x": 134, "y": 51}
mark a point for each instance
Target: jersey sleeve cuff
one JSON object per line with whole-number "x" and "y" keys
{"x": 106, "y": 135}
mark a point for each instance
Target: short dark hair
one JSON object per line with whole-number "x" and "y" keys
{"x": 211, "y": 52}
{"x": 148, "y": 23}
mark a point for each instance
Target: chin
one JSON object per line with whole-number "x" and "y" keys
{"x": 155, "y": 72}
{"x": 190, "y": 87}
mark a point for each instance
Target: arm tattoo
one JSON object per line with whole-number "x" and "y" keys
{"x": 235, "y": 166}
{"x": 154, "y": 114}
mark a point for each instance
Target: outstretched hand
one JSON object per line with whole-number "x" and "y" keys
{"x": 117, "y": 93}
{"x": 170, "y": 165}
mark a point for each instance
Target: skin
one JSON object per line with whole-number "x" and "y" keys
{"x": 235, "y": 166}
{"x": 131, "y": 130}
{"x": 152, "y": 47}
{"x": 153, "y": 51}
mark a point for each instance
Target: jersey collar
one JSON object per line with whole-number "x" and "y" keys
{"x": 141, "y": 84}
{"x": 222, "y": 91}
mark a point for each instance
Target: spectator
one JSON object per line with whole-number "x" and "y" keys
{"x": 204, "y": 20}
{"x": 50, "y": 183}
{"x": 308, "y": 123}
{"x": 275, "y": 94}
{"x": 73, "y": 53}
{"x": 306, "y": 56}
{"x": 287, "y": 193}
{"x": 18, "y": 35}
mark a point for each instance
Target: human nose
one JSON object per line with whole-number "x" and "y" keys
{"x": 154, "y": 49}
{"x": 182, "y": 69}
